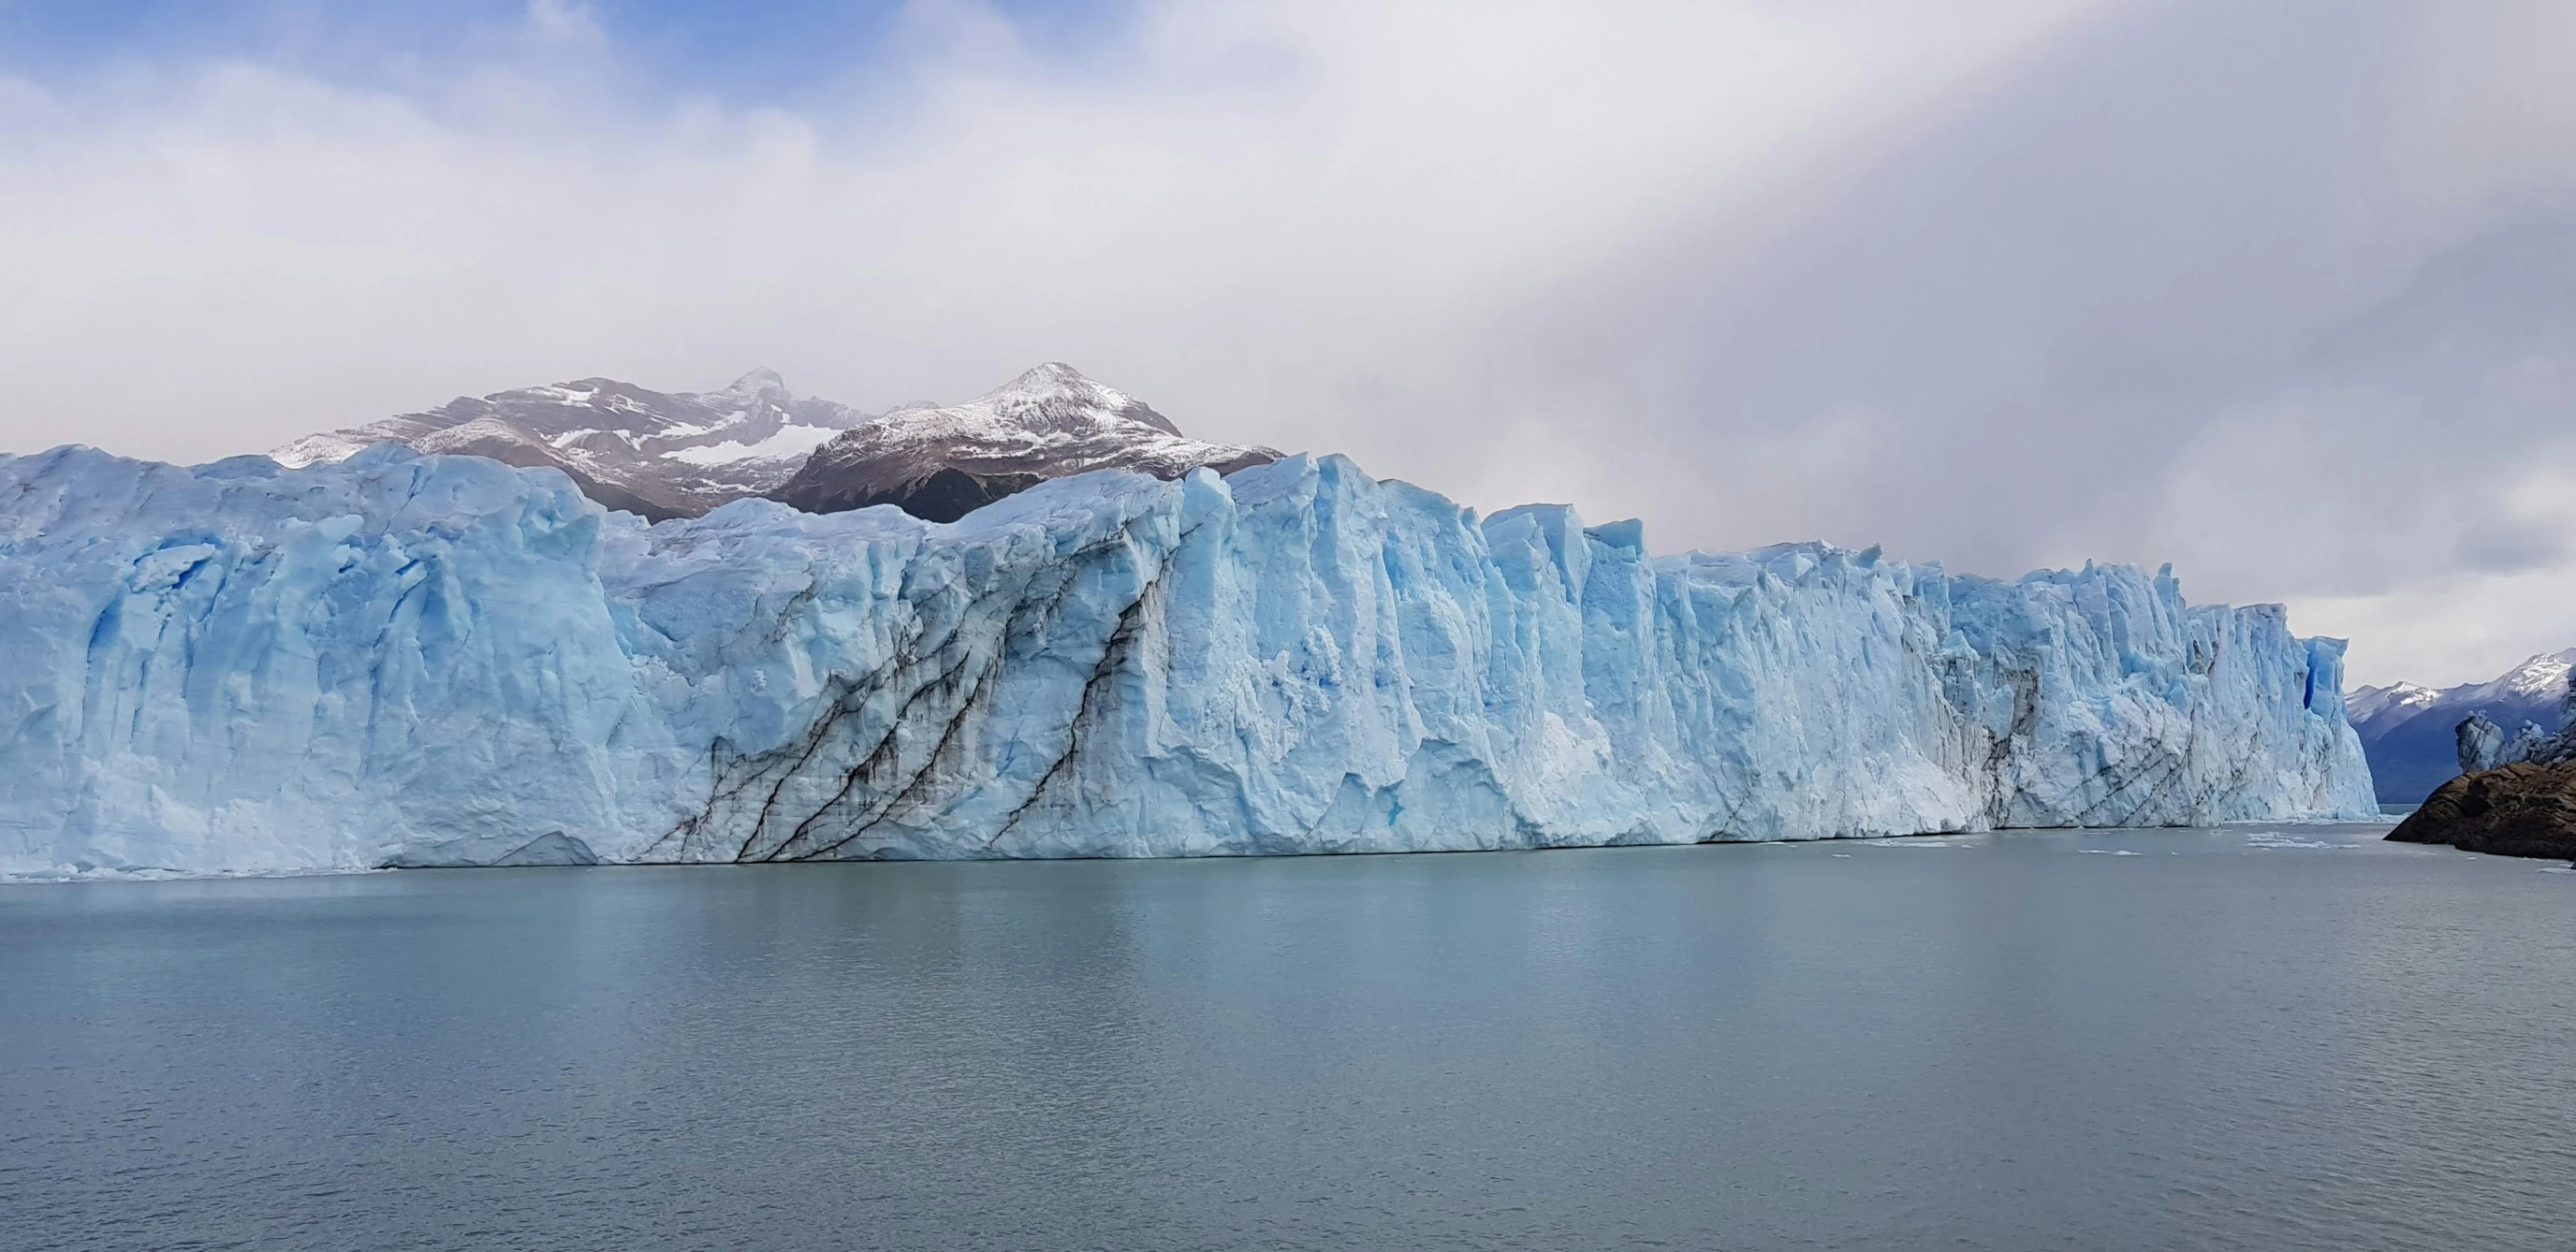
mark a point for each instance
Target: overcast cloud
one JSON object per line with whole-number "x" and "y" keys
{"x": 2283, "y": 293}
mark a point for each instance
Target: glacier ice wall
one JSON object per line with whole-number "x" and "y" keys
{"x": 402, "y": 659}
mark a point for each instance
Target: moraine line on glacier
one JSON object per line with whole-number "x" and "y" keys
{"x": 413, "y": 660}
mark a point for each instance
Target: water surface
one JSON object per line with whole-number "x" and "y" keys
{"x": 2239, "y": 1038}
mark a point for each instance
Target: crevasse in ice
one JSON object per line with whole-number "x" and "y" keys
{"x": 406, "y": 659}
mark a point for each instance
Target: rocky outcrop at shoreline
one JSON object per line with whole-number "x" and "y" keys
{"x": 2515, "y": 796}
{"x": 2516, "y": 809}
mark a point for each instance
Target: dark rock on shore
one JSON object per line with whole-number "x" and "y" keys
{"x": 2518, "y": 809}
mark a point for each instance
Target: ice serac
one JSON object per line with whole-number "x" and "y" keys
{"x": 403, "y": 659}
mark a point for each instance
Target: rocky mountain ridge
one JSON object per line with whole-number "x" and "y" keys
{"x": 2409, "y": 731}
{"x": 941, "y": 463}
{"x": 655, "y": 454}
{"x": 662, "y": 455}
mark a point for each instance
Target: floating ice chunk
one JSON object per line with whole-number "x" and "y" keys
{"x": 2277, "y": 839}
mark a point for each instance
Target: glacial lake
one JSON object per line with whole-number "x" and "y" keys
{"x": 2248, "y": 1038}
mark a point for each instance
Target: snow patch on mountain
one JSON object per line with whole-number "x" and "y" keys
{"x": 791, "y": 444}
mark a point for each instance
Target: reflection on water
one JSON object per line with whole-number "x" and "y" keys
{"x": 2297, "y": 1038}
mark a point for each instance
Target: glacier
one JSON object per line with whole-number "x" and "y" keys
{"x": 407, "y": 659}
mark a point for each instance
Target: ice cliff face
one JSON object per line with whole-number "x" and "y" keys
{"x": 400, "y": 659}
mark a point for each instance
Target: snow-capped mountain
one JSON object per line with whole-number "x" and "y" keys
{"x": 2392, "y": 703}
{"x": 941, "y": 463}
{"x": 657, "y": 454}
{"x": 2409, "y": 731}
{"x": 678, "y": 454}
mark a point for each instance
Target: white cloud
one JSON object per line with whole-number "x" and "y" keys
{"x": 564, "y": 22}
{"x": 1988, "y": 283}
{"x": 1293, "y": 201}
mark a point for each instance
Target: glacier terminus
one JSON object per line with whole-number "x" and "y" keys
{"x": 408, "y": 659}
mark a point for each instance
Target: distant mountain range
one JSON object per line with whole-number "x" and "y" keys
{"x": 2409, "y": 732}
{"x": 943, "y": 463}
{"x": 679, "y": 454}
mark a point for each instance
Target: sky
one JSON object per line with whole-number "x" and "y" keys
{"x": 2284, "y": 294}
